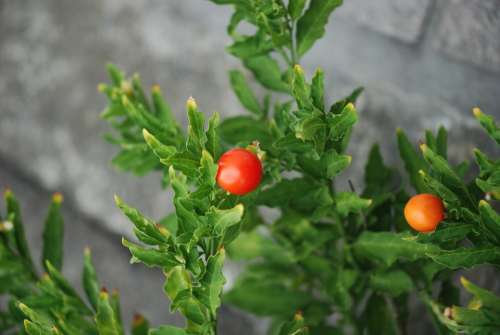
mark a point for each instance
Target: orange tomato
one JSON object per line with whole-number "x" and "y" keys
{"x": 423, "y": 212}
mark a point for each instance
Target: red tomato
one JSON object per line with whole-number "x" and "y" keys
{"x": 423, "y": 212}
{"x": 239, "y": 171}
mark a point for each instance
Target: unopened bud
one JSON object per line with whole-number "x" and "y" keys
{"x": 448, "y": 313}
{"x": 156, "y": 88}
{"x": 57, "y": 197}
{"x": 126, "y": 87}
{"x": 191, "y": 103}
{"x": 476, "y": 111}
{"x": 6, "y": 226}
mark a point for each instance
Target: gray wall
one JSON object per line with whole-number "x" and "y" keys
{"x": 423, "y": 63}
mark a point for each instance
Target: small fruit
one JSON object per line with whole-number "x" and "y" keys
{"x": 239, "y": 171}
{"x": 423, "y": 212}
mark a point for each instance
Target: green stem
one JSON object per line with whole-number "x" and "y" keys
{"x": 293, "y": 42}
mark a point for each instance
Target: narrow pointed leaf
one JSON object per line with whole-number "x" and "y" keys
{"x": 90, "y": 283}
{"x": 311, "y": 25}
{"x": 244, "y": 92}
{"x": 53, "y": 234}
{"x": 105, "y": 318}
{"x": 267, "y": 72}
{"x": 212, "y": 282}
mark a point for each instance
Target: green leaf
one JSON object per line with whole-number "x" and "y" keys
{"x": 35, "y": 329}
{"x": 394, "y": 282}
{"x": 300, "y": 89}
{"x": 191, "y": 307}
{"x": 443, "y": 319}
{"x": 445, "y": 232}
{"x": 244, "y": 129}
{"x": 295, "y": 327}
{"x": 212, "y": 282}
{"x": 213, "y": 145}
{"x": 136, "y": 159}
{"x": 162, "y": 108}
{"x": 196, "y": 132}
{"x": 348, "y": 202}
{"x": 318, "y": 89}
{"x": 386, "y": 247}
{"x": 114, "y": 301}
{"x": 476, "y": 321}
{"x": 187, "y": 218}
{"x": 296, "y": 7}
{"x": 337, "y": 286}
{"x": 466, "y": 257}
{"x": 377, "y": 176}
{"x": 244, "y": 92}
{"x": 262, "y": 297}
{"x": 115, "y": 74}
{"x": 170, "y": 222}
{"x": 53, "y": 234}
{"x": 267, "y": 72}
{"x": 482, "y": 296}
{"x": 448, "y": 196}
{"x": 312, "y": 128}
{"x": 341, "y": 124}
{"x": 301, "y": 194}
{"x": 413, "y": 162}
{"x": 105, "y": 318}
{"x": 167, "y": 330}
{"x": 328, "y": 166}
{"x": 488, "y": 123}
{"x": 142, "y": 223}
{"x": 339, "y": 106}
{"x": 486, "y": 165}
{"x": 208, "y": 170}
{"x": 161, "y": 150}
{"x": 252, "y": 245}
{"x": 40, "y": 319}
{"x": 140, "y": 325}
{"x": 63, "y": 284}
{"x": 439, "y": 165}
{"x": 90, "y": 283}
{"x": 379, "y": 317}
{"x": 250, "y": 46}
{"x": 490, "y": 218}
{"x": 178, "y": 280}
{"x": 183, "y": 162}
{"x": 223, "y": 219}
{"x": 442, "y": 142}
{"x": 138, "y": 92}
{"x": 311, "y": 26}
{"x": 14, "y": 212}
{"x": 491, "y": 184}
{"x": 151, "y": 257}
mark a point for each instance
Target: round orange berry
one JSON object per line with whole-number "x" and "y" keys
{"x": 424, "y": 212}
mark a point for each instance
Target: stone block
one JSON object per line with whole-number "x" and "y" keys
{"x": 469, "y": 31}
{"x": 401, "y": 19}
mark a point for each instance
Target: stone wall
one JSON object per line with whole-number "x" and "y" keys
{"x": 423, "y": 63}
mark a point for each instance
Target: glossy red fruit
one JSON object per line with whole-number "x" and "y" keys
{"x": 239, "y": 171}
{"x": 424, "y": 212}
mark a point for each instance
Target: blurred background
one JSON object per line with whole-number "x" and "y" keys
{"x": 424, "y": 63}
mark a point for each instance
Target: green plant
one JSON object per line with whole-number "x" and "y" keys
{"x": 328, "y": 253}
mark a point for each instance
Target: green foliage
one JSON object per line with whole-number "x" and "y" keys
{"x": 311, "y": 26}
{"x": 48, "y": 304}
{"x": 326, "y": 252}
{"x": 481, "y": 316}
